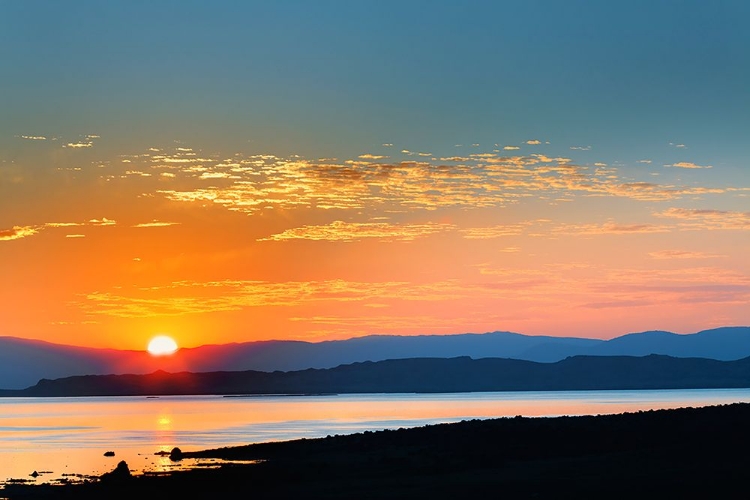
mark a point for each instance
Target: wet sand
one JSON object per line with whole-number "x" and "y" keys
{"x": 688, "y": 452}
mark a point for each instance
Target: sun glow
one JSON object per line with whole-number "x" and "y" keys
{"x": 161, "y": 345}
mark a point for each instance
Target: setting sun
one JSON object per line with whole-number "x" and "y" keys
{"x": 161, "y": 345}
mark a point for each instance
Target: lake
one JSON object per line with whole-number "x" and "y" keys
{"x": 62, "y": 436}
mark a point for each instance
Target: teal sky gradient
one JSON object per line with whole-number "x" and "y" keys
{"x": 328, "y": 169}
{"x": 336, "y": 77}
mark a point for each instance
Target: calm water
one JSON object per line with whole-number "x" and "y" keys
{"x": 70, "y": 435}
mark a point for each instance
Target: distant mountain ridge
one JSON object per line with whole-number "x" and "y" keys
{"x": 24, "y": 362}
{"x": 420, "y": 375}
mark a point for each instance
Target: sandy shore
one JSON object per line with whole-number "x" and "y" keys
{"x": 688, "y": 452}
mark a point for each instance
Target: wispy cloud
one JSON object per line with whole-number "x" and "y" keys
{"x": 253, "y": 183}
{"x": 353, "y": 231}
{"x": 610, "y": 227}
{"x": 687, "y": 164}
{"x": 697, "y": 219}
{"x": 681, "y": 254}
{"x": 498, "y": 231}
{"x": 17, "y": 232}
{"x": 86, "y": 142}
{"x": 156, "y": 223}
{"x": 101, "y": 222}
{"x": 34, "y": 137}
{"x": 231, "y": 295}
{"x": 77, "y": 145}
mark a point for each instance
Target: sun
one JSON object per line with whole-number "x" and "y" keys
{"x": 162, "y": 345}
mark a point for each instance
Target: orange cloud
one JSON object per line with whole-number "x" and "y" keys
{"x": 498, "y": 231}
{"x": 353, "y": 231}
{"x": 610, "y": 227}
{"x": 17, "y": 232}
{"x": 250, "y": 184}
{"x": 681, "y": 254}
{"x": 687, "y": 164}
{"x": 696, "y": 219}
{"x": 156, "y": 223}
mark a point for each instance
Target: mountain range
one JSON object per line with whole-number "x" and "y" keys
{"x": 23, "y": 362}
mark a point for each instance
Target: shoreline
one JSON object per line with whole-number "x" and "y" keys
{"x": 680, "y": 451}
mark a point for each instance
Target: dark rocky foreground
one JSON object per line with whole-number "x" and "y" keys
{"x": 687, "y": 453}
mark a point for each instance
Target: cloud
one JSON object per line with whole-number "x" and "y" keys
{"x": 610, "y": 227}
{"x": 581, "y": 148}
{"x": 156, "y": 223}
{"x": 644, "y": 161}
{"x": 102, "y": 222}
{"x": 698, "y": 219}
{"x": 354, "y": 231}
{"x": 498, "y": 231}
{"x": 533, "y": 142}
{"x": 681, "y": 254}
{"x": 687, "y": 164}
{"x": 75, "y": 235}
{"x": 34, "y": 137}
{"x": 17, "y": 232}
{"x": 253, "y": 183}
{"x": 677, "y": 145}
{"x": 86, "y": 142}
{"x": 231, "y": 295}
{"x": 510, "y": 148}
{"x": 62, "y": 224}
{"x": 372, "y": 157}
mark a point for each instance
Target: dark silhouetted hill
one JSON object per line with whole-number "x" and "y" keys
{"x": 423, "y": 375}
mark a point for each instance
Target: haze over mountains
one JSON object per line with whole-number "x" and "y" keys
{"x": 24, "y": 362}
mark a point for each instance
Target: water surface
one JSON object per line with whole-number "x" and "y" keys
{"x": 57, "y": 436}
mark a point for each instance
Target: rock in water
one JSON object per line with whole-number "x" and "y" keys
{"x": 176, "y": 455}
{"x": 109, "y": 453}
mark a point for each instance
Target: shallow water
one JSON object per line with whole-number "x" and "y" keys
{"x": 59, "y": 436}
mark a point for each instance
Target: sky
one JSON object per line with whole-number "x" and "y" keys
{"x": 237, "y": 171}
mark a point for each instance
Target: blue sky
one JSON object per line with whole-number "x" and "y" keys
{"x": 329, "y": 169}
{"x": 339, "y": 76}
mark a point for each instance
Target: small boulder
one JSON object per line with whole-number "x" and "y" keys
{"x": 109, "y": 453}
{"x": 34, "y": 474}
{"x": 176, "y": 455}
{"x": 119, "y": 474}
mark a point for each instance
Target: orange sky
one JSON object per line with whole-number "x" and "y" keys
{"x": 198, "y": 174}
{"x": 235, "y": 247}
